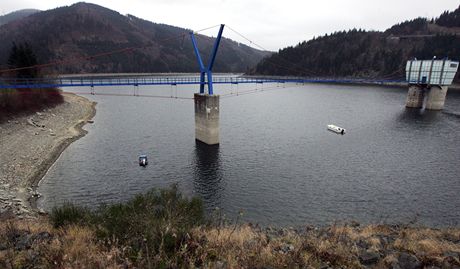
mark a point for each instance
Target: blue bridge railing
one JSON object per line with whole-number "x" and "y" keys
{"x": 59, "y": 82}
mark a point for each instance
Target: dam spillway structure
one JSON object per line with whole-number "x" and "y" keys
{"x": 207, "y": 104}
{"x": 428, "y": 82}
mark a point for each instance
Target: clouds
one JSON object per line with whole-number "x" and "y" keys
{"x": 271, "y": 23}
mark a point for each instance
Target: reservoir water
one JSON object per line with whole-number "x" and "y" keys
{"x": 276, "y": 162}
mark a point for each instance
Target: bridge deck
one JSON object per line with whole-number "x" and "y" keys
{"x": 6, "y": 83}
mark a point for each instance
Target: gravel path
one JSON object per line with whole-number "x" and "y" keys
{"x": 30, "y": 144}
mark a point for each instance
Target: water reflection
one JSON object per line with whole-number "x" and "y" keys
{"x": 417, "y": 116}
{"x": 207, "y": 174}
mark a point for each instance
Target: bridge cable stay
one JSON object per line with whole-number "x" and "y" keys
{"x": 165, "y": 40}
{"x": 130, "y": 49}
{"x": 304, "y": 70}
{"x": 393, "y": 74}
{"x": 172, "y": 96}
{"x": 308, "y": 72}
{"x": 173, "y": 90}
{"x": 129, "y": 95}
{"x": 253, "y": 91}
{"x": 108, "y": 53}
{"x": 136, "y": 89}
{"x": 145, "y": 46}
{"x": 103, "y": 54}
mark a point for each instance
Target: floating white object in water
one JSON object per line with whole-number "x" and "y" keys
{"x": 143, "y": 160}
{"x": 336, "y": 129}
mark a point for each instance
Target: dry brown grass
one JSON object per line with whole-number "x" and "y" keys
{"x": 246, "y": 247}
{"x": 235, "y": 247}
{"x": 73, "y": 247}
{"x": 428, "y": 241}
{"x": 83, "y": 251}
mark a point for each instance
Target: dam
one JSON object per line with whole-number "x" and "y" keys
{"x": 428, "y": 82}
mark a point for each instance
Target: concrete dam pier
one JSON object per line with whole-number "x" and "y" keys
{"x": 432, "y": 97}
{"x": 428, "y": 82}
{"x": 207, "y": 118}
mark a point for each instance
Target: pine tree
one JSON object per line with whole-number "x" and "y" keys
{"x": 22, "y": 56}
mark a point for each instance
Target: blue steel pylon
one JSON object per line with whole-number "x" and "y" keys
{"x": 207, "y": 70}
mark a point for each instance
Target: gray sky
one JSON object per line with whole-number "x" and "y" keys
{"x": 271, "y": 24}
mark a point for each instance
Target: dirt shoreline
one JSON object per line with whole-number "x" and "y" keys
{"x": 29, "y": 146}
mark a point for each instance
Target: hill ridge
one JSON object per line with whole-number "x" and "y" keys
{"x": 17, "y": 15}
{"x": 368, "y": 54}
{"x": 82, "y": 30}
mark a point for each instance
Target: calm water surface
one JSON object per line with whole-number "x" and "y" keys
{"x": 276, "y": 161}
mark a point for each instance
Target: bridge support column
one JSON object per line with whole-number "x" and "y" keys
{"x": 436, "y": 97}
{"x": 207, "y": 118}
{"x": 415, "y": 96}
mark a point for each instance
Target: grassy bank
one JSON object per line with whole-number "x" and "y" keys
{"x": 162, "y": 229}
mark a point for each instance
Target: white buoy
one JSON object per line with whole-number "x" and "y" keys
{"x": 336, "y": 129}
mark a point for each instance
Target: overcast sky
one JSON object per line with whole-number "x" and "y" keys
{"x": 271, "y": 24}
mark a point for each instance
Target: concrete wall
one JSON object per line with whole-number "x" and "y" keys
{"x": 415, "y": 96}
{"x": 207, "y": 118}
{"x": 436, "y": 97}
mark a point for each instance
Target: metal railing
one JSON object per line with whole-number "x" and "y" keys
{"x": 179, "y": 80}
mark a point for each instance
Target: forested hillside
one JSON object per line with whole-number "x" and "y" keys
{"x": 83, "y": 30}
{"x": 368, "y": 54}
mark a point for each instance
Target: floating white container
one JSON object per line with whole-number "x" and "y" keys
{"x": 336, "y": 129}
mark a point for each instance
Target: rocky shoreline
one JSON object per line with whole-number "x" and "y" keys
{"x": 29, "y": 146}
